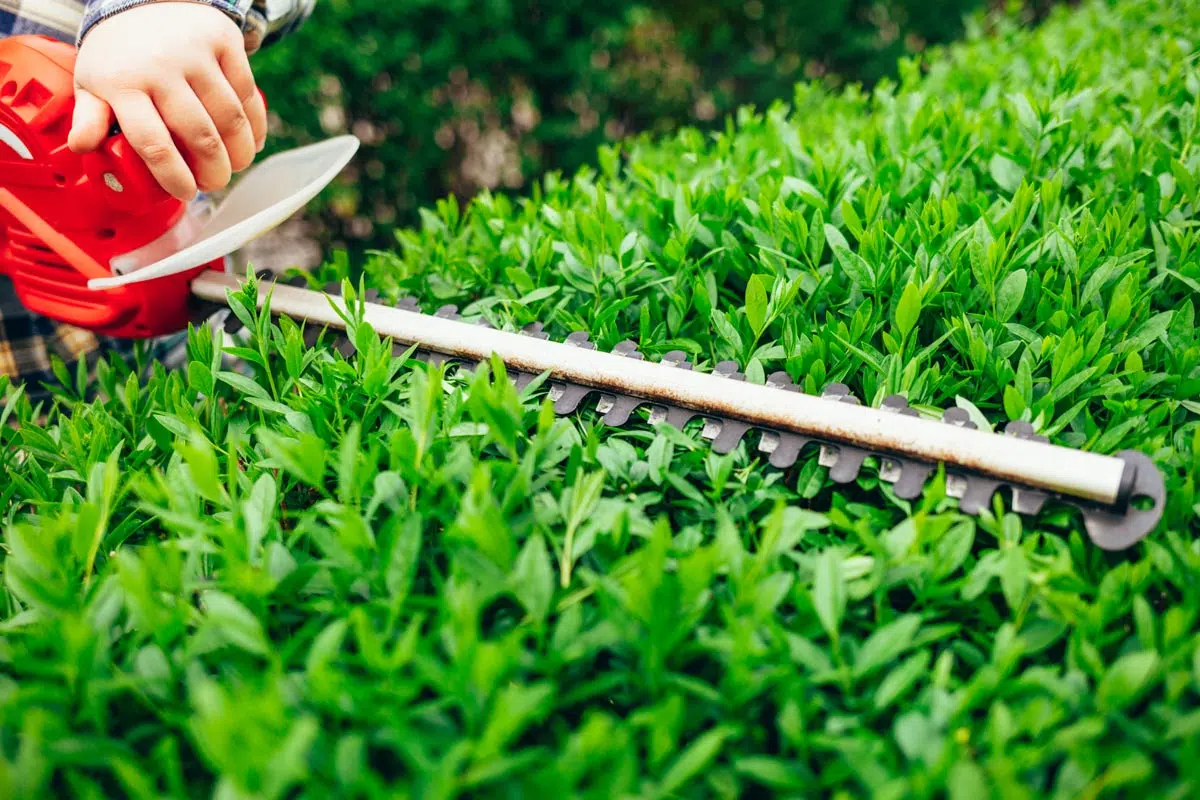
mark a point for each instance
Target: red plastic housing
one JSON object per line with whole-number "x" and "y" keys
{"x": 63, "y": 217}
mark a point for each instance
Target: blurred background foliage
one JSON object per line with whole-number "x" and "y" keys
{"x": 454, "y": 96}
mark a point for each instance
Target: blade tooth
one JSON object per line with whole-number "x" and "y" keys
{"x": 676, "y": 358}
{"x": 448, "y": 312}
{"x": 846, "y": 463}
{"x": 616, "y": 408}
{"x": 890, "y": 470}
{"x": 956, "y": 485}
{"x": 978, "y": 495}
{"x": 841, "y": 393}
{"x": 787, "y": 448}
{"x": 1029, "y": 501}
{"x": 522, "y": 379}
{"x": 536, "y": 330}
{"x": 344, "y": 346}
{"x": 408, "y": 304}
{"x": 628, "y": 349}
{"x": 233, "y": 325}
{"x": 1024, "y": 430}
{"x": 333, "y": 288}
{"x": 569, "y": 397}
{"x": 203, "y": 312}
{"x": 371, "y": 295}
{"x": 673, "y": 415}
{"x": 959, "y": 417}
{"x": 909, "y": 483}
{"x": 297, "y": 282}
{"x": 781, "y": 380}
{"x": 828, "y": 456}
{"x": 311, "y": 334}
{"x": 898, "y": 404}
{"x": 400, "y": 348}
{"x": 437, "y": 359}
{"x": 731, "y": 434}
{"x": 729, "y": 369}
{"x": 680, "y": 417}
{"x": 580, "y": 339}
{"x": 621, "y": 410}
{"x": 712, "y": 429}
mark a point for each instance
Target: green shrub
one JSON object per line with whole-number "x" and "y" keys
{"x": 359, "y": 577}
{"x": 461, "y": 96}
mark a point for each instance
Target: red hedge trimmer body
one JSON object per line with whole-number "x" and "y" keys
{"x": 94, "y": 242}
{"x": 64, "y": 217}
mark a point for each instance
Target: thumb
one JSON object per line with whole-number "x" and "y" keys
{"x": 90, "y": 124}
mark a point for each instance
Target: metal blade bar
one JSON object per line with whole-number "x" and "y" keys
{"x": 1104, "y": 483}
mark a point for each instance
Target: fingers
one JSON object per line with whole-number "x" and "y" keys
{"x": 236, "y": 68}
{"x": 148, "y": 134}
{"x": 192, "y": 124}
{"x": 228, "y": 115}
{"x": 90, "y": 124}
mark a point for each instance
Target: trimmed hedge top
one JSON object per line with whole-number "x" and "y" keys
{"x": 362, "y": 577}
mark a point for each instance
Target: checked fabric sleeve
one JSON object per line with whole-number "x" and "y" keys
{"x": 261, "y": 21}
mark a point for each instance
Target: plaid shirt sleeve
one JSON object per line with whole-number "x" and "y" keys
{"x": 262, "y": 21}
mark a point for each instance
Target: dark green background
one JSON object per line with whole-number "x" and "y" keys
{"x": 454, "y": 96}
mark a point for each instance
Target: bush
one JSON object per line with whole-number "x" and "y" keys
{"x": 462, "y": 96}
{"x": 360, "y": 577}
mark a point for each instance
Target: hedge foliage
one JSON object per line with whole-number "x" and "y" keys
{"x": 464, "y": 95}
{"x": 358, "y": 576}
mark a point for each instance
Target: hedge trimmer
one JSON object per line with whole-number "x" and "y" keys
{"x": 93, "y": 242}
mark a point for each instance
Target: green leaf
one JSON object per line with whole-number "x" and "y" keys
{"x": 756, "y": 305}
{"x": 259, "y": 511}
{"x": 909, "y": 309}
{"x": 532, "y": 579}
{"x": 1012, "y": 292}
{"x": 235, "y": 623}
{"x": 201, "y": 460}
{"x": 200, "y": 378}
{"x": 243, "y": 384}
{"x": 695, "y": 758}
{"x": 829, "y": 592}
{"x": 900, "y": 679}
{"x": 1127, "y": 679}
{"x": 726, "y": 331}
{"x": 886, "y": 644}
{"x": 857, "y": 270}
{"x": 967, "y": 782}
{"x": 1007, "y": 173}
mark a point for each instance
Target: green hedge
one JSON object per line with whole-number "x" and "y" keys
{"x": 458, "y": 96}
{"x": 358, "y": 577}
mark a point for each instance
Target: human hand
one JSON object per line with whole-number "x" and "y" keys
{"x": 177, "y": 79}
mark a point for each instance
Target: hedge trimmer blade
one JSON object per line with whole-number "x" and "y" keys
{"x": 1121, "y": 498}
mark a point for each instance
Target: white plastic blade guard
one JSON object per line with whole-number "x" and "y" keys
{"x": 267, "y": 195}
